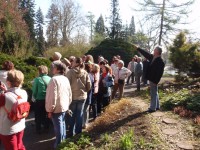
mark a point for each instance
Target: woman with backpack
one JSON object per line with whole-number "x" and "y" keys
{"x": 39, "y": 92}
{"x": 11, "y": 132}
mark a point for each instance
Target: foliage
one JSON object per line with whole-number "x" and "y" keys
{"x": 28, "y": 67}
{"x": 75, "y": 143}
{"x": 163, "y": 16}
{"x": 109, "y": 48}
{"x": 90, "y": 18}
{"x": 115, "y": 21}
{"x": 126, "y": 141}
{"x": 100, "y": 27}
{"x": 185, "y": 55}
{"x": 13, "y": 40}
{"x": 39, "y": 33}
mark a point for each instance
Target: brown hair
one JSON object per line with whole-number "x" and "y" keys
{"x": 7, "y": 65}
{"x": 80, "y": 63}
{"x": 61, "y": 67}
{"x": 15, "y": 77}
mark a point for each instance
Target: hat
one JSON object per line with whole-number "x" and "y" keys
{"x": 89, "y": 63}
{"x": 66, "y": 61}
{"x": 58, "y": 55}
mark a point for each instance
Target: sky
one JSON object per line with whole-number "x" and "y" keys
{"x": 98, "y": 7}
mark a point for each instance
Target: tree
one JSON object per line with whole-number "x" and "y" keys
{"x": 115, "y": 21}
{"x": 90, "y": 17}
{"x": 12, "y": 38}
{"x": 100, "y": 27}
{"x": 132, "y": 27}
{"x": 39, "y": 32}
{"x": 28, "y": 6}
{"x": 165, "y": 16}
{"x": 52, "y": 26}
{"x": 185, "y": 55}
{"x": 70, "y": 18}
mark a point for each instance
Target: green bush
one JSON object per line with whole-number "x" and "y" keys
{"x": 28, "y": 67}
{"x": 109, "y": 48}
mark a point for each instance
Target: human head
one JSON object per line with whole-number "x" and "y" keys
{"x": 71, "y": 59}
{"x": 106, "y": 69}
{"x": 15, "y": 78}
{"x": 57, "y": 56}
{"x": 59, "y": 68}
{"x": 78, "y": 62}
{"x": 43, "y": 69}
{"x": 139, "y": 59}
{"x": 100, "y": 58}
{"x": 118, "y": 57}
{"x": 83, "y": 58}
{"x": 7, "y": 65}
{"x": 89, "y": 58}
{"x": 157, "y": 51}
{"x": 66, "y": 62}
{"x": 120, "y": 64}
{"x": 95, "y": 68}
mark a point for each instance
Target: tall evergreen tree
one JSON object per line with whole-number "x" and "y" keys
{"x": 28, "y": 7}
{"x": 132, "y": 27}
{"x": 39, "y": 32}
{"x": 52, "y": 26}
{"x": 90, "y": 17}
{"x": 115, "y": 21}
{"x": 100, "y": 27}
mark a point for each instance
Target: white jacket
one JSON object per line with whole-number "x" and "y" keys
{"x": 122, "y": 74}
{"x": 58, "y": 94}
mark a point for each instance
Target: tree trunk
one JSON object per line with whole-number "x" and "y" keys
{"x": 161, "y": 24}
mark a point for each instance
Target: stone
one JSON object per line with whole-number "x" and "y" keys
{"x": 170, "y": 131}
{"x": 185, "y": 145}
{"x": 169, "y": 121}
{"x": 157, "y": 114}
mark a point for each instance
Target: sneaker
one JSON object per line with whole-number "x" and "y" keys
{"x": 150, "y": 111}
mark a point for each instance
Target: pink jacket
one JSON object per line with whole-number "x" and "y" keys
{"x": 96, "y": 82}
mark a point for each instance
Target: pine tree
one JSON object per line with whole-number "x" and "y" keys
{"x": 53, "y": 26}
{"x": 100, "y": 27}
{"x": 115, "y": 21}
{"x": 39, "y": 32}
{"x": 132, "y": 27}
{"x": 28, "y": 7}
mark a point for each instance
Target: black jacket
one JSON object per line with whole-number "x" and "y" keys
{"x": 155, "y": 69}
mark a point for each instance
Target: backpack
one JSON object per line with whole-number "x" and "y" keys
{"x": 18, "y": 110}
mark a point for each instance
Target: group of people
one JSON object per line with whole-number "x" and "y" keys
{"x": 74, "y": 87}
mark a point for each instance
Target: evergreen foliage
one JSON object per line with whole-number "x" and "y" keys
{"x": 109, "y": 48}
{"x": 185, "y": 55}
{"x": 39, "y": 32}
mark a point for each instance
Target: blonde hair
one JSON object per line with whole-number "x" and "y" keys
{"x": 95, "y": 68}
{"x": 15, "y": 77}
{"x": 43, "y": 69}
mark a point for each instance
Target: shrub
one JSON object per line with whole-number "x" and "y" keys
{"x": 127, "y": 141}
{"x": 109, "y": 48}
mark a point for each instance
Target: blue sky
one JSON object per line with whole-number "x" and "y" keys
{"x": 98, "y": 7}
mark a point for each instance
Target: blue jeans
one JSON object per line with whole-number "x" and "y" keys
{"x": 85, "y": 114}
{"x": 58, "y": 120}
{"x": 75, "y": 121}
{"x": 154, "y": 96}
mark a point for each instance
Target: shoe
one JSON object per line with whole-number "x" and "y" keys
{"x": 157, "y": 108}
{"x": 150, "y": 111}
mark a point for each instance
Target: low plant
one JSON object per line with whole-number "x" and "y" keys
{"x": 106, "y": 138}
{"x": 126, "y": 141}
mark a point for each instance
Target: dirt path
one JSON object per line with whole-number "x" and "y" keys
{"x": 179, "y": 131}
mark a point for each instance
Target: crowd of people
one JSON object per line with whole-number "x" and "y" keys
{"x": 71, "y": 89}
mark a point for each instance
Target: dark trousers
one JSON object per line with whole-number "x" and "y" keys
{"x": 132, "y": 78}
{"x": 121, "y": 90}
{"x": 106, "y": 101}
{"x": 99, "y": 102}
{"x": 94, "y": 105}
{"x": 41, "y": 115}
{"x": 138, "y": 81}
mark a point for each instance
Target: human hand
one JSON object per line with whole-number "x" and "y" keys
{"x": 49, "y": 115}
{"x": 3, "y": 87}
{"x": 135, "y": 46}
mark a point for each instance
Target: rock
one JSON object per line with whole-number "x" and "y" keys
{"x": 170, "y": 131}
{"x": 185, "y": 145}
{"x": 169, "y": 121}
{"x": 157, "y": 114}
